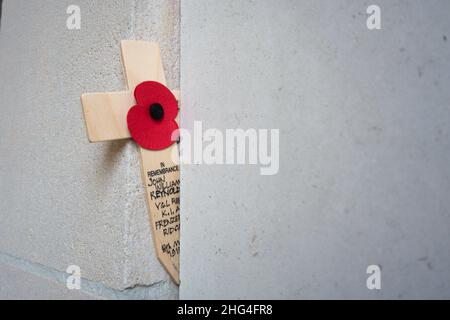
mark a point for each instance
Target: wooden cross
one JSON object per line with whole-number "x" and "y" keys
{"x": 106, "y": 120}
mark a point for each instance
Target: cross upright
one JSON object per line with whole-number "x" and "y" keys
{"x": 105, "y": 116}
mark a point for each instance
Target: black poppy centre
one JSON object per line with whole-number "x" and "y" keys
{"x": 156, "y": 111}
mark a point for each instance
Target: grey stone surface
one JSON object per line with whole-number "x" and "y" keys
{"x": 23, "y": 279}
{"x": 18, "y": 284}
{"x": 364, "y": 146}
{"x": 64, "y": 201}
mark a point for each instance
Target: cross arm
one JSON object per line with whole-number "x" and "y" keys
{"x": 105, "y": 114}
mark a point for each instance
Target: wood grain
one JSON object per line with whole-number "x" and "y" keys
{"x": 105, "y": 117}
{"x": 105, "y": 114}
{"x": 142, "y": 62}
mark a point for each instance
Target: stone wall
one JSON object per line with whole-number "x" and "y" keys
{"x": 64, "y": 201}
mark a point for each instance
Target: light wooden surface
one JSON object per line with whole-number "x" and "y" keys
{"x": 105, "y": 114}
{"x": 142, "y": 62}
{"x": 164, "y": 209}
{"x": 105, "y": 117}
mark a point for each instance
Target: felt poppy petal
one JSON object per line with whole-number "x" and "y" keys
{"x": 148, "y": 133}
{"x": 150, "y": 92}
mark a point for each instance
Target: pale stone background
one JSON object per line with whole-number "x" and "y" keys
{"x": 364, "y": 119}
{"x": 62, "y": 200}
{"x": 365, "y": 150}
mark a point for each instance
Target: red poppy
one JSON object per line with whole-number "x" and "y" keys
{"x": 152, "y": 121}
